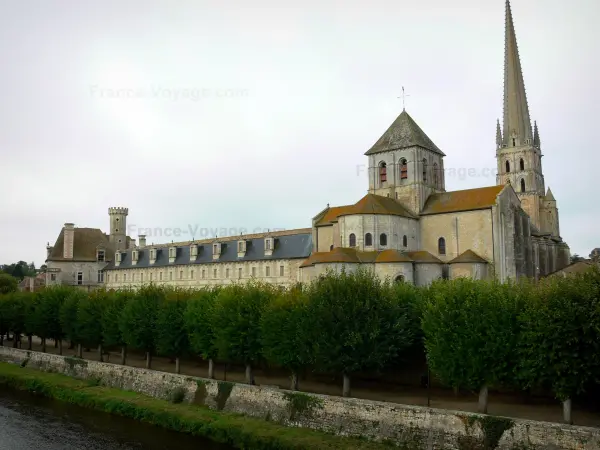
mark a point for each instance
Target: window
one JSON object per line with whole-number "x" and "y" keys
{"x": 424, "y": 171}
{"x": 352, "y": 240}
{"x": 215, "y": 248}
{"x": 118, "y": 257}
{"x": 240, "y": 273}
{"x": 507, "y": 165}
{"x": 100, "y": 276}
{"x": 268, "y": 244}
{"x": 160, "y": 276}
{"x": 254, "y": 271}
{"x": 226, "y": 273}
{"x": 435, "y": 174}
{"x": 383, "y": 239}
{"x": 170, "y": 276}
{"x": 521, "y": 164}
{"x": 214, "y": 273}
{"x": 124, "y": 277}
{"x": 100, "y": 256}
{"x": 142, "y": 277}
{"x": 514, "y": 142}
{"x": 52, "y": 277}
{"x": 281, "y": 269}
{"x": 368, "y": 239}
{"x": 240, "y": 247}
{"x": 404, "y": 241}
{"x": 203, "y": 273}
{"x": 522, "y": 185}
{"x": 79, "y": 277}
{"x": 403, "y": 169}
{"x": 382, "y": 172}
{"x": 181, "y": 274}
{"x": 267, "y": 271}
{"x": 172, "y": 252}
{"x": 442, "y": 246}
{"x": 192, "y": 274}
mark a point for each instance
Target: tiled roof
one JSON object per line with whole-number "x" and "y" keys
{"x": 369, "y": 204}
{"x": 403, "y": 133}
{"x": 351, "y": 255}
{"x": 468, "y": 256}
{"x": 423, "y": 256}
{"x": 293, "y": 245}
{"x": 466, "y": 200}
{"x": 576, "y": 267}
{"x": 85, "y": 242}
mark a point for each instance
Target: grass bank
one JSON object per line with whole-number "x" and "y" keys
{"x": 233, "y": 429}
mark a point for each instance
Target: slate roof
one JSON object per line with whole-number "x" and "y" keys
{"x": 369, "y": 204}
{"x": 292, "y": 245}
{"x": 85, "y": 242}
{"x": 403, "y": 133}
{"x": 465, "y": 200}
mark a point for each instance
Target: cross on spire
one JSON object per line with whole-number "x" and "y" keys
{"x": 404, "y": 95}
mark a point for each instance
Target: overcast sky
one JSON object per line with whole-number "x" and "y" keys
{"x": 233, "y": 115}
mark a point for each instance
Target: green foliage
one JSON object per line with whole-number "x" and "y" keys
{"x": 138, "y": 321}
{"x": 302, "y": 404}
{"x": 68, "y": 315}
{"x": 111, "y": 317}
{"x": 172, "y": 337}
{"x": 89, "y": 318}
{"x": 46, "y": 321}
{"x": 223, "y": 392}
{"x": 17, "y": 307}
{"x": 18, "y": 270}
{"x": 199, "y": 323}
{"x": 236, "y": 320}
{"x": 286, "y": 330}
{"x": 357, "y": 323}
{"x": 177, "y": 395}
{"x": 8, "y": 283}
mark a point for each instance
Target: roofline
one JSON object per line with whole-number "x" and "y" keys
{"x": 481, "y": 208}
{"x": 367, "y": 153}
{"x": 193, "y": 263}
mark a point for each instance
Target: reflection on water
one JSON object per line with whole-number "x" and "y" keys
{"x": 28, "y": 422}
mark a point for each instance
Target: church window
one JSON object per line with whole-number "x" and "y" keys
{"x": 435, "y": 174}
{"x": 522, "y": 185}
{"x": 424, "y": 170}
{"x": 522, "y": 164}
{"x": 507, "y": 164}
{"x": 352, "y": 240}
{"x": 382, "y": 172}
{"x": 404, "y": 241}
{"x": 442, "y": 246}
{"x": 368, "y": 239}
{"x": 383, "y": 239}
{"x": 403, "y": 169}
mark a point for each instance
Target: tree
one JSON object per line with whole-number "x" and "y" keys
{"x": 237, "y": 314}
{"x": 559, "y": 346}
{"x": 138, "y": 321}
{"x": 576, "y": 258}
{"x": 357, "y": 324}
{"x": 471, "y": 331}
{"x": 111, "y": 321}
{"x": 200, "y": 327}
{"x": 170, "y": 325}
{"x": 46, "y": 321}
{"x": 68, "y": 318}
{"x": 16, "y": 310}
{"x": 89, "y": 319}
{"x": 285, "y": 332}
{"x": 8, "y": 283}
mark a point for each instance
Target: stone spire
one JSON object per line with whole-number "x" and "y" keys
{"x": 517, "y": 124}
{"x": 498, "y": 135}
{"x": 536, "y": 135}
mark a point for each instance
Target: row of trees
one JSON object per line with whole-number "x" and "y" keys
{"x": 476, "y": 335}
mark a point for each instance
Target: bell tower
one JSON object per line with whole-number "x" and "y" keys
{"x": 118, "y": 227}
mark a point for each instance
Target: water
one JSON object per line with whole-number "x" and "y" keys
{"x": 28, "y": 422}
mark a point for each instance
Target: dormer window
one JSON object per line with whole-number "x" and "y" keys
{"x": 269, "y": 246}
{"x": 117, "y": 258}
{"x": 241, "y": 249}
{"x": 172, "y": 254}
{"x": 100, "y": 255}
{"x": 216, "y": 250}
{"x": 153, "y": 253}
{"x": 134, "y": 257}
{"x": 193, "y": 252}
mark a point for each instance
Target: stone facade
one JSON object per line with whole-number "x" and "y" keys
{"x": 412, "y": 427}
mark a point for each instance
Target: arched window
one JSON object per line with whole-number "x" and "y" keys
{"x": 404, "y": 241}
{"x": 435, "y": 174}
{"x": 442, "y": 246}
{"x": 507, "y": 167}
{"x": 522, "y": 185}
{"x": 382, "y": 172}
{"x": 403, "y": 169}
{"x": 424, "y": 170}
{"x": 368, "y": 239}
{"x": 330, "y": 247}
{"x": 383, "y": 239}
{"x": 399, "y": 279}
{"x": 521, "y": 164}
{"x": 352, "y": 240}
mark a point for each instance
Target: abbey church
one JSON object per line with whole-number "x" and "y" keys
{"x": 406, "y": 228}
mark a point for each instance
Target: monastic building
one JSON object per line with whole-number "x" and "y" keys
{"x": 406, "y": 228}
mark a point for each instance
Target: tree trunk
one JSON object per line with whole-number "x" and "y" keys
{"x": 177, "y": 366}
{"x": 456, "y": 391}
{"x": 483, "y": 400}
{"x": 249, "y": 374}
{"x": 79, "y": 351}
{"x": 29, "y": 342}
{"x": 55, "y": 343}
{"x": 44, "y": 345}
{"x": 148, "y": 360}
{"x": 60, "y": 347}
{"x": 2, "y": 339}
{"x": 123, "y": 355}
{"x": 346, "y": 388}
{"x": 567, "y": 409}
{"x": 71, "y": 345}
{"x": 16, "y": 341}
{"x": 100, "y": 358}
{"x": 294, "y": 383}
{"x": 211, "y": 369}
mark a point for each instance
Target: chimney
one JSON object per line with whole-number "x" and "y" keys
{"x": 142, "y": 238}
{"x": 131, "y": 244}
{"x": 68, "y": 239}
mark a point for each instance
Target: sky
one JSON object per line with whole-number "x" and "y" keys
{"x": 227, "y": 117}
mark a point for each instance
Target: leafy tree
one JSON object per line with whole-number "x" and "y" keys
{"x": 358, "y": 324}
{"x": 8, "y": 283}
{"x": 236, "y": 317}
{"x": 89, "y": 319}
{"x": 31, "y": 319}
{"x": 560, "y": 341}
{"x": 285, "y": 332}
{"x": 111, "y": 320}
{"x": 46, "y": 320}
{"x": 170, "y": 325}
{"x": 16, "y": 310}
{"x": 4, "y": 299}
{"x": 68, "y": 318}
{"x": 138, "y": 321}
{"x": 576, "y": 258}
{"x": 199, "y": 325}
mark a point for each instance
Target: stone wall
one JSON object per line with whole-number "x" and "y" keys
{"x": 418, "y": 428}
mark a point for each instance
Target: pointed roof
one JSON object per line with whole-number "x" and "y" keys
{"x": 465, "y": 200}
{"x": 516, "y": 110}
{"x": 468, "y": 256}
{"x": 550, "y": 196}
{"x": 498, "y": 134}
{"x": 369, "y": 204}
{"x": 403, "y": 133}
{"x": 536, "y": 135}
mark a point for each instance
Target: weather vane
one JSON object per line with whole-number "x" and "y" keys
{"x": 404, "y": 95}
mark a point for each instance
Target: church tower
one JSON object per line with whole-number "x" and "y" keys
{"x": 404, "y": 164}
{"x": 118, "y": 227}
{"x": 518, "y": 150}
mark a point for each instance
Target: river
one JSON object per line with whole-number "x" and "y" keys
{"x": 28, "y": 422}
